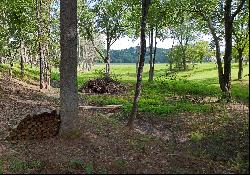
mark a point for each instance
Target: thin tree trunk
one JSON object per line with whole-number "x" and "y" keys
{"x": 11, "y": 64}
{"x": 184, "y": 63}
{"x": 68, "y": 66}
{"x": 240, "y": 71}
{"x": 217, "y": 55}
{"x": 107, "y": 59}
{"x": 144, "y": 11}
{"x": 41, "y": 66}
{"x": 151, "y": 54}
{"x": 41, "y": 75}
{"x": 154, "y": 58}
{"x": 22, "y": 60}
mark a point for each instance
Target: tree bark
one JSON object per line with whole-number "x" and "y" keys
{"x": 228, "y": 49}
{"x": 22, "y": 59}
{"x": 68, "y": 65}
{"x": 41, "y": 65}
{"x": 39, "y": 34}
{"x": 150, "y": 78}
{"x": 107, "y": 59}
{"x": 144, "y": 12}
{"x": 240, "y": 71}
{"x": 154, "y": 58}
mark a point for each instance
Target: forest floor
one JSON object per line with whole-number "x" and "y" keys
{"x": 186, "y": 142}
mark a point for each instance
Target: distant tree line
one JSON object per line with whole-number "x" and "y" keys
{"x": 130, "y": 55}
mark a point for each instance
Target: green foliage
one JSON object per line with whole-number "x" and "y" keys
{"x": 89, "y": 168}
{"x": 17, "y": 165}
{"x": 197, "y": 52}
{"x": 1, "y": 167}
{"x": 76, "y": 164}
{"x": 196, "y": 136}
{"x": 130, "y": 55}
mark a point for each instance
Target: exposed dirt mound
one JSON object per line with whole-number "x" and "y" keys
{"x": 103, "y": 85}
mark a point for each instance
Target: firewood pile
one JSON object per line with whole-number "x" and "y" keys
{"x": 103, "y": 85}
{"x": 44, "y": 124}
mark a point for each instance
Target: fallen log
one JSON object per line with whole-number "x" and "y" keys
{"x": 107, "y": 108}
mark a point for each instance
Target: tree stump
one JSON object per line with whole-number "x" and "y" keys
{"x": 43, "y": 124}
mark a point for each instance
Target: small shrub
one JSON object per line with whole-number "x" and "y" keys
{"x": 196, "y": 136}
{"x": 17, "y": 165}
{"x": 89, "y": 168}
{"x": 76, "y": 164}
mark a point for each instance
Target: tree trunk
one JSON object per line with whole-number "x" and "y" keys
{"x": 154, "y": 58}
{"x": 240, "y": 57}
{"x": 107, "y": 59}
{"x": 22, "y": 60}
{"x": 39, "y": 34}
{"x": 144, "y": 11}
{"x": 41, "y": 73}
{"x": 151, "y": 54}
{"x": 11, "y": 64}
{"x": 228, "y": 49}
{"x": 68, "y": 66}
{"x": 184, "y": 63}
{"x": 217, "y": 55}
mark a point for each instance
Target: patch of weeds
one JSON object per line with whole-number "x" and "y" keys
{"x": 1, "y": 167}
{"x": 76, "y": 164}
{"x": 99, "y": 130}
{"x": 102, "y": 170}
{"x": 35, "y": 164}
{"x": 146, "y": 138}
{"x": 113, "y": 120}
{"x": 89, "y": 168}
{"x": 17, "y": 165}
{"x": 240, "y": 163}
{"x": 120, "y": 163}
{"x": 196, "y": 136}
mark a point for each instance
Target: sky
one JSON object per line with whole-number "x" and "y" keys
{"x": 125, "y": 42}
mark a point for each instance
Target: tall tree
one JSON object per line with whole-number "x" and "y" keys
{"x": 144, "y": 11}
{"x": 218, "y": 17}
{"x": 241, "y": 36}
{"x": 157, "y": 26}
{"x": 104, "y": 17}
{"x": 68, "y": 65}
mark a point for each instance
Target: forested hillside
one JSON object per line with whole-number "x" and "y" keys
{"x": 130, "y": 55}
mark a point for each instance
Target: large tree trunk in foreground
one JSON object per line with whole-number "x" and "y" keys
{"x": 68, "y": 65}
{"x": 144, "y": 12}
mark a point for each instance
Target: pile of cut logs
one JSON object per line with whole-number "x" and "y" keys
{"x": 44, "y": 124}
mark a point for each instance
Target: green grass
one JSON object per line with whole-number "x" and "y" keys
{"x": 202, "y": 80}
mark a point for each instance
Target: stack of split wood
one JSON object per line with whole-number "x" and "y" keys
{"x": 41, "y": 125}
